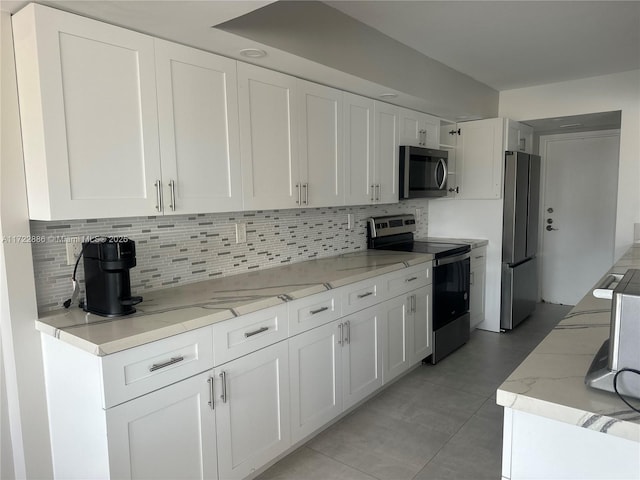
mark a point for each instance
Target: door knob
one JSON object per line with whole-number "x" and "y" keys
{"x": 549, "y": 228}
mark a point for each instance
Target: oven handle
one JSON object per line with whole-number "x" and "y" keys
{"x": 442, "y": 163}
{"x": 447, "y": 260}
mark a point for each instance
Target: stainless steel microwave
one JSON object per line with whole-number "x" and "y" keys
{"x": 423, "y": 172}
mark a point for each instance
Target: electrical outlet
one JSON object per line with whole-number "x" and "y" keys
{"x": 74, "y": 247}
{"x": 350, "y": 221}
{"x": 241, "y": 233}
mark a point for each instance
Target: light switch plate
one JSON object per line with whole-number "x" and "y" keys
{"x": 241, "y": 233}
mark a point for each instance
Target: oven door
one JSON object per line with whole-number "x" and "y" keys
{"x": 451, "y": 281}
{"x": 423, "y": 172}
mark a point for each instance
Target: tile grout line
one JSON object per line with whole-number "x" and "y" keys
{"x": 342, "y": 463}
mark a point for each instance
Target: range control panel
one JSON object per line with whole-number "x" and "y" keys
{"x": 391, "y": 225}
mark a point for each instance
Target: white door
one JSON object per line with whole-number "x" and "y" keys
{"x": 358, "y": 149}
{"x": 580, "y": 174}
{"x": 386, "y": 153}
{"x": 198, "y": 119}
{"x": 315, "y": 364}
{"x": 90, "y": 120}
{"x": 169, "y": 433}
{"x": 395, "y": 336}
{"x": 268, "y": 138}
{"x": 361, "y": 356}
{"x": 419, "y": 343}
{"x": 252, "y": 410}
{"x": 320, "y": 148}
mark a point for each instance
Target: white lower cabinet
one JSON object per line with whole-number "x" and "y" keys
{"x": 252, "y": 410}
{"x": 169, "y": 433}
{"x": 420, "y": 343}
{"x": 396, "y": 336}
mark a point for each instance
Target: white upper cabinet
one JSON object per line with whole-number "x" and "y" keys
{"x": 198, "y": 119}
{"x": 320, "y": 145}
{"x": 268, "y": 138}
{"x": 87, "y": 95}
{"x": 480, "y": 159}
{"x": 385, "y": 187}
{"x": 419, "y": 129}
{"x": 359, "y": 157}
{"x": 519, "y": 137}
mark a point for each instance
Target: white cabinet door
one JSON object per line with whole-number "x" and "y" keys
{"x": 395, "y": 337}
{"x": 480, "y": 159}
{"x": 419, "y": 129}
{"x": 358, "y": 149}
{"x": 386, "y": 153}
{"x": 519, "y": 137}
{"x": 268, "y": 138}
{"x": 252, "y": 410}
{"x": 320, "y": 148}
{"x": 420, "y": 343}
{"x": 431, "y": 127}
{"x": 315, "y": 364}
{"x": 169, "y": 433}
{"x": 525, "y": 138}
{"x": 361, "y": 355}
{"x": 198, "y": 119}
{"x": 89, "y": 116}
{"x": 477, "y": 285}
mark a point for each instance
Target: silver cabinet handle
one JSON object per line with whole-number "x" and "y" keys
{"x": 362, "y": 295}
{"x": 373, "y": 195}
{"x": 255, "y": 332}
{"x": 348, "y": 324}
{"x": 305, "y": 186}
{"x": 223, "y": 376}
{"x": 158, "y": 366}
{"x": 211, "y": 394}
{"x": 415, "y": 303}
{"x": 479, "y": 256}
{"x": 472, "y": 278}
{"x": 158, "y": 186}
{"x": 322, "y": 309}
{"x": 172, "y": 189}
{"x": 299, "y": 201}
{"x": 411, "y": 279}
{"x": 340, "y": 327}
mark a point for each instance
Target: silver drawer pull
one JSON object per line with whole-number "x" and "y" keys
{"x": 255, "y": 332}
{"x": 362, "y": 295}
{"x": 158, "y": 366}
{"x": 480, "y": 256}
{"x": 313, "y": 312}
{"x": 411, "y": 279}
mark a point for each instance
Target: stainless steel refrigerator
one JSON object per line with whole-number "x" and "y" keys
{"x": 520, "y": 238}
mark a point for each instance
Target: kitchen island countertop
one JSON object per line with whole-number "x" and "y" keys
{"x": 171, "y": 311}
{"x": 550, "y": 381}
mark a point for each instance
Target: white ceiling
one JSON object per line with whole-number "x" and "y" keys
{"x": 512, "y": 44}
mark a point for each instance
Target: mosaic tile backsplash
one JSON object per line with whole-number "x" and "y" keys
{"x": 180, "y": 249}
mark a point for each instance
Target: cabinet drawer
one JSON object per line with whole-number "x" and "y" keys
{"x": 134, "y": 372}
{"x": 313, "y": 311}
{"x": 407, "y": 279}
{"x": 478, "y": 255}
{"x": 361, "y": 295}
{"x": 248, "y": 333}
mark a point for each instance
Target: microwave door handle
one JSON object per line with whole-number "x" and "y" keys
{"x": 442, "y": 163}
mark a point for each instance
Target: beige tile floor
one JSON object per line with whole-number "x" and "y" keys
{"x": 438, "y": 422}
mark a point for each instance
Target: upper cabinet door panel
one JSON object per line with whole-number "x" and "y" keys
{"x": 321, "y": 154}
{"x": 89, "y": 119}
{"x": 198, "y": 117}
{"x": 268, "y": 138}
{"x": 386, "y": 152}
{"x": 358, "y": 149}
{"x": 410, "y": 128}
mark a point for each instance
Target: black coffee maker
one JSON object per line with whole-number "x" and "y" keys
{"x": 106, "y": 275}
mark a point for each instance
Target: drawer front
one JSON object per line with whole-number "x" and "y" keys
{"x": 407, "y": 279}
{"x": 248, "y": 333}
{"x": 479, "y": 255}
{"x": 134, "y": 372}
{"x": 313, "y": 311}
{"x": 361, "y": 295}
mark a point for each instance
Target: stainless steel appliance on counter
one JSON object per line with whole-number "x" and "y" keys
{"x": 520, "y": 238}
{"x": 620, "y": 353}
{"x": 451, "y": 278}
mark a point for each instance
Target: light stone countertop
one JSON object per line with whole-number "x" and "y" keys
{"x": 171, "y": 311}
{"x": 550, "y": 381}
{"x": 473, "y": 242}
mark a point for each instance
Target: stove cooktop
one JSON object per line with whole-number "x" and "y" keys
{"x": 437, "y": 249}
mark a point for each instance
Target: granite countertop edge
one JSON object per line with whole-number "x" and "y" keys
{"x": 79, "y": 328}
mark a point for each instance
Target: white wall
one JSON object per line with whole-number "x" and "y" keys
{"x": 605, "y": 93}
{"x": 22, "y": 355}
